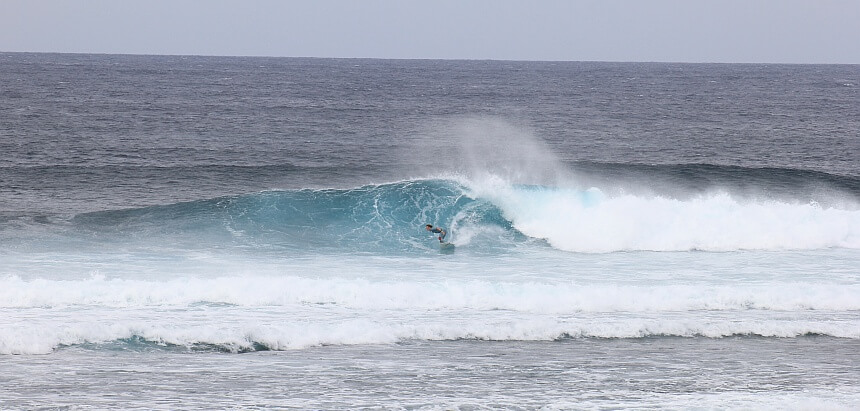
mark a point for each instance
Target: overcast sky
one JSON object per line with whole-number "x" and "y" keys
{"x": 768, "y": 31}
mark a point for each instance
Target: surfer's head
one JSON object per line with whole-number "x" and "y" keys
{"x": 428, "y": 226}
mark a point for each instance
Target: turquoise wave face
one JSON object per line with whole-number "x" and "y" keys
{"x": 487, "y": 216}
{"x": 374, "y": 218}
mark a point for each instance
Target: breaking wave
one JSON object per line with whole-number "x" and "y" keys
{"x": 488, "y": 213}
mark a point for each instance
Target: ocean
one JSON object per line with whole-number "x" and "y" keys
{"x": 181, "y": 232}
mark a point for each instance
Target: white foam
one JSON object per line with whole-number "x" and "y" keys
{"x": 559, "y": 297}
{"x": 242, "y": 331}
{"x": 591, "y": 221}
{"x": 292, "y": 312}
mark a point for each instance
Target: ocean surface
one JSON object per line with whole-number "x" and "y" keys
{"x": 213, "y": 232}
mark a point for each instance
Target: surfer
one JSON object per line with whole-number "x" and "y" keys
{"x": 436, "y": 230}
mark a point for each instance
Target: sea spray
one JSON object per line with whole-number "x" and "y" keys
{"x": 479, "y": 147}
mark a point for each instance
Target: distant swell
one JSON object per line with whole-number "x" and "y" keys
{"x": 783, "y": 183}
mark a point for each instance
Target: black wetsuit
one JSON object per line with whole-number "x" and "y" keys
{"x": 440, "y": 231}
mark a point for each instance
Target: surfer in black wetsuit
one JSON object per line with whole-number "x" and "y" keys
{"x": 437, "y": 230}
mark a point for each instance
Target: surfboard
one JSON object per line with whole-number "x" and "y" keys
{"x": 446, "y": 247}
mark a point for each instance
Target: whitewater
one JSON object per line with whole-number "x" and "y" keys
{"x": 627, "y": 236}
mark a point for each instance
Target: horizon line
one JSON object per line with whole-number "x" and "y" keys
{"x": 417, "y": 58}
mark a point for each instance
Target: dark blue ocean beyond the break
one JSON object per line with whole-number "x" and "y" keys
{"x": 215, "y": 232}
{"x": 86, "y": 132}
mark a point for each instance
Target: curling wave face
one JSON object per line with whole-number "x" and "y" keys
{"x": 489, "y": 215}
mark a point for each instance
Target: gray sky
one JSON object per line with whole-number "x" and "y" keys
{"x": 769, "y": 31}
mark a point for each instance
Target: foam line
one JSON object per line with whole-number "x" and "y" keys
{"x": 241, "y": 334}
{"x": 531, "y": 297}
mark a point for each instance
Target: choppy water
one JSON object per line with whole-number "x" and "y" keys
{"x": 193, "y": 232}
